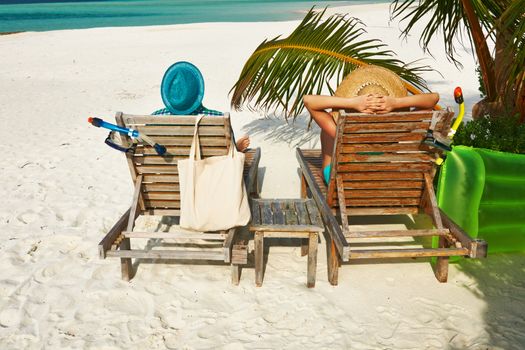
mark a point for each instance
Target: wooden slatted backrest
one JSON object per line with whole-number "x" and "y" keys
{"x": 160, "y": 180}
{"x": 381, "y": 160}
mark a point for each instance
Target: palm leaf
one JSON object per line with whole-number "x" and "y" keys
{"x": 282, "y": 70}
{"x": 513, "y": 20}
{"x": 447, "y": 17}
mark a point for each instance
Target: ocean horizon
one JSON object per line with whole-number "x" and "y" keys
{"x": 44, "y": 15}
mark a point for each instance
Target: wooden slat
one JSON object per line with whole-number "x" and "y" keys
{"x": 391, "y": 117}
{"x": 406, "y": 253}
{"x": 157, "y": 169}
{"x": 179, "y": 140}
{"x": 384, "y": 193}
{"x": 163, "y": 212}
{"x": 157, "y": 160}
{"x": 386, "y": 127}
{"x": 278, "y": 213}
{"x": 401, "y": 166}
{"x": 256, "y": 213}
{"x": 178, "y": 254}
{"x": 372, "y": 202}
{"x": 150, "y": 196}
{"x": 313, "y": 213}
{"x": 383, "y": 184}
{"x": 133, "y": 120}
{"x": 182, "y": 151}
{"x": 162, "y": 204}
{"x": 179, "y": 130}
{"x": 302, "y": 213}
{"x": 266, "y": 213}
{"x": 384, "y": 147}
{"x": 160, "y": 187}
{"x": 383, "y": 175}
{"x": 383, "y": 137}
{"x": 385, "y": 157}
{"x": 160, "y": 179}
{"x": 176, "y": 235}
{"x": 383, "y": 211}
{"x": 283, "y": 230}
{"x": 397, "y": 233}
{"x": 239, "y": 255}
{"x": 290, "y": 213}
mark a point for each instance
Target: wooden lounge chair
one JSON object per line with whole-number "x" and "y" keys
{"x": 157, "y": 193}
{"x": 381, "y": 167}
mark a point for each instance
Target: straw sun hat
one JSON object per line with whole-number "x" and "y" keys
{"x": 371, "y": 80}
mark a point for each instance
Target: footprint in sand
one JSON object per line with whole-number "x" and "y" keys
{"x": 124, "y": 95}
{"x": 27, "y": 217}
{"x": 171, "y": 319}
{"x": 10, "y": 318}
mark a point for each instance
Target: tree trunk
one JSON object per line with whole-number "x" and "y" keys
{"x": 486, "y": 62}
{"x": 520, "y": 97}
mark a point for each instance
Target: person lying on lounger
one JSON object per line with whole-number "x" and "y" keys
{"x": 370, "y": 89}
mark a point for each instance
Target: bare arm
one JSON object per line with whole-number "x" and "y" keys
{"x": 385, "y": 104}
{"x": 321, "y": 102}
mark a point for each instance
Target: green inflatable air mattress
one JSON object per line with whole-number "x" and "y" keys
{"x": 483, "y": 191}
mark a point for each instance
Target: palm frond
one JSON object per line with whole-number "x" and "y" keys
{"x": 513, "y": 21}
{"x": 449, "y": 18}
{"x": 282, "y": 70}
{"x": 444, "y": 16}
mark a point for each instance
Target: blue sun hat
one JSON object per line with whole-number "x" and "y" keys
{"x": 182, "y": 88}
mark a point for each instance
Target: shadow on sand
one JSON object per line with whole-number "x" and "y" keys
{"x": 296, "y": 133}
{"x": 500, "y": 282}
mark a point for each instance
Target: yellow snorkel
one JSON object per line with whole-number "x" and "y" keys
{"x": 445, "y": 143}
{"x": 458, "y": 97}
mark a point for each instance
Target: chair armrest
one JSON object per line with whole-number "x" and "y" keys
{"x": 477, "y": 247}
{"x": 331, "y": 225}
{"x": 251, "y": 178}
{"x": 116, "y": 230}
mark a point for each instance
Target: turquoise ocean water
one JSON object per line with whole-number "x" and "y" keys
{"x": 41, "y": 15}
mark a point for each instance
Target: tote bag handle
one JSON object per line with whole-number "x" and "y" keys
{"x": 195, "y": 150}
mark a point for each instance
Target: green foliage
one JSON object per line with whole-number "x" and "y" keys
{"x": 318, "y": 52}
{"x": 481, "y": 88}
{"x": 503, "y": 134}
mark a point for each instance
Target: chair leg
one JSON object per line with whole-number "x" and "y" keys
{"x": 333, "y": 263}
{"x": 303, "y": 187}
{"x": 259, "y": 257}
{"x": 312, "y": 260}
{"x": 441, "y": 268}
{"x": 304, "y": 246}
{"x": 126, "y": 266}
{"x": 236, "y": 274}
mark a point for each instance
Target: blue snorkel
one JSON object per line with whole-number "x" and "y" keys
{"x": 134, "y": 134}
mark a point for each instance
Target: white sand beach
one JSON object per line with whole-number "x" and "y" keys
{"x": 62, "y": 189}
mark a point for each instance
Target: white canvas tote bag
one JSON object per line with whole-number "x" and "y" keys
{"x": 213, "y": 196}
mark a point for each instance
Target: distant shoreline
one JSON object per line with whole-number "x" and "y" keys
{"x": 9, "y": 33}
{"x": 137, "y": 13}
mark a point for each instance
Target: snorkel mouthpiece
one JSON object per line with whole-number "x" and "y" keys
{"x": 433, "y": 141}
{"x": 458, "y": 95}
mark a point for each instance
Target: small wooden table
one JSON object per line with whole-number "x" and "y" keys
{"x": 286, "y": 218}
